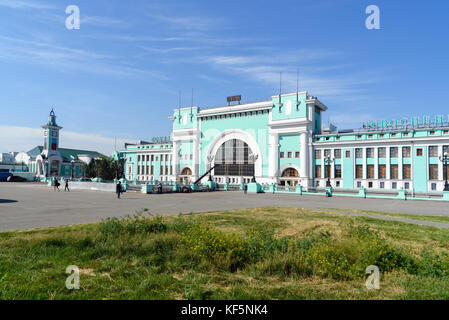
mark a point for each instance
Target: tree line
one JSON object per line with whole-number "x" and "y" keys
{"x": 105, "y": 168}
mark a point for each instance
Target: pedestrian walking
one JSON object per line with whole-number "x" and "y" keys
{"x": 245, "y": 188}
{"x": 66, "y": 188}
{"x": 56, "y": 185}
{"x": 118, "y": 189}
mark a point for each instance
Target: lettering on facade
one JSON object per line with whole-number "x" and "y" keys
{"x": 408, "y": 123}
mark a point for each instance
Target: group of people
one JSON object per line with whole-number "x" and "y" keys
{"x": 56, "y": 185}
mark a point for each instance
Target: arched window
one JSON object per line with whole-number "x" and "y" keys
{"x": 186, "y": 172}
{"x": 290, "y": 173}
{"x": 234, "y": 158}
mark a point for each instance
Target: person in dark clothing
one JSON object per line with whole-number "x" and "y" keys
{"x": 66, "y": 185}
{"x": 245, "y": 188}
{"x": 118, "y": 189}
{"x": 56, "y": 185}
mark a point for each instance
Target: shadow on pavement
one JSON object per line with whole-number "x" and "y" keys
{"x": 7, "y": 201}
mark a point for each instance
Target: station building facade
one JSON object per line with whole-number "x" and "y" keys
{"x": 282, "y": 141}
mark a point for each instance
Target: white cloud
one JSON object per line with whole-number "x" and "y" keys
{"x": 14, "y": 138}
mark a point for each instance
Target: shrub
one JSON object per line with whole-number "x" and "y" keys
{"x": 131, "y": 225}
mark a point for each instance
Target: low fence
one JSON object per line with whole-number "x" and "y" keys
{"x": 98, "y": 186}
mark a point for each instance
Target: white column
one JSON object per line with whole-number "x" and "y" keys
{"x": 440, "y": 164}
{"x": 175, "y": 158}
{"x": 364, "y": 163}
{"x": 388, "y": 168}
{"x": 273, "y": 151}
{"x": 304, "y": 157}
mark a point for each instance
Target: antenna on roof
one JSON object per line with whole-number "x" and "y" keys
{"x": 297, "y": 89}
{"x": 280, "y": 90}
{"x": 191, "y": 108}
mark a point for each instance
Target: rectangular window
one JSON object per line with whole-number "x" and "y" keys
{"x": 337, "y": 153}
{"x": 445, "y": 149}
{"x": 419, "y": 152}
{"x": 348, "y": 154}
{"x": 297, "y": 154}
{"x": 281, "y": 155}
{"x": 152, "y": 157}
{"x": 370, "y": 184}
{"x": 433, "y": 186}
{"x": 433, "y": 151}
{"x": 394, "y": 185}
{"x": 359, "y": 184}
{"x": 338, "y": 171}
{"x": 406, "y": 152}
{"x": 394, "y": 171}
{"x": 327, "y": 171}
{"x": 382, "y": 152}
{"x": 138, "y": 158}
{"x": 406, "y": 185}
{"x": 394, "y": 152}
{"x": 406, "y": 171}
{"x": 370, "y": 171}
{"x": 358, "y": 153}
{"x": 382, "y": 171}
{"x": 433, "y": 171}
{"x": 289, "y": 154}
{"x": 382, "y": 185}
{"x": 317, "y": 154}
{"x": 359, "y": 171}
{"x": 161, "y": 171}
{"x": 152, "y": 170}
{"x": 327, "y": 152}
{"x": 317, "y": 171}
{"x": 370, "y": 152}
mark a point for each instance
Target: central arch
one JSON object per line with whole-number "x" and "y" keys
{"x": 238, "y": 135}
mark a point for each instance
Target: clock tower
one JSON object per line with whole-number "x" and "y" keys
{"x": 51, "y": 136}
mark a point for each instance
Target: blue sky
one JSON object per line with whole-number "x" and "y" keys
{"x": 119, "y": 75}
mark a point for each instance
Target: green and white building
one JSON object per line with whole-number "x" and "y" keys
{"x": 282, "y": 141}
{"x": 49, "y": 159}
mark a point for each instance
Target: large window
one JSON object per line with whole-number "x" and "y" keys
{"x": 370, "y": 152}
{"x": 290, "y": 172}
{"x": 337, "y": 153}
{"x": 406, "y": 152}
{"x": 406, "y": 171}
{"x": 433, "y": 171}
{"x": 317, "y": 171}
{"x": 370, "y": 171}
{"x": 338, "y": 171}
{"x": 359, "y": 171}
{"x": 382, "y": 171}
{"x": 433, "y": 151}
{"x": 394, "y": 152}
{"x": 394, "y": 171}
{"x": 234, "y": 158}
{"x": 317, "y": 154}
{"x": 358, "y": 153}
{"x": 382, "y": 152}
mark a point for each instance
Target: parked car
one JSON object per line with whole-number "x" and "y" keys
{"x": 16, "y": 179}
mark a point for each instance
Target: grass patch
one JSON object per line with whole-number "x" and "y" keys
{"x": 263, "y": 253}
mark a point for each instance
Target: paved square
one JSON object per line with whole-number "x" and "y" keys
{"x": 29, "y": 205}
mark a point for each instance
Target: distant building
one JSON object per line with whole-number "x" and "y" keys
{"x": 50, "y": 160}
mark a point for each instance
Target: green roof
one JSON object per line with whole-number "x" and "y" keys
{"x": 67, "y": 154}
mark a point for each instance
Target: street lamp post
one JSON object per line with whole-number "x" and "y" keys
{"x": 253, "y": 157}
{"x": 210, "y": 159}
{"x": 445, "y": 160}
{"x": 328, "y": 161}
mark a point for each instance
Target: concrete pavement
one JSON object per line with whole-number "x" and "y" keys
{"x": 32, "y": 205}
